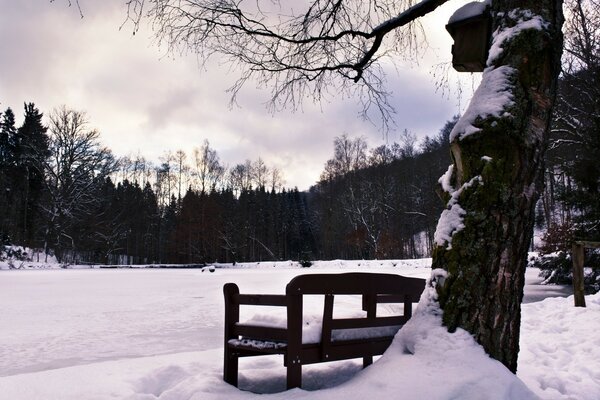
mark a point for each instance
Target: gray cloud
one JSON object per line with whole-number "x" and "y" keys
{"x": 142, "y": 100}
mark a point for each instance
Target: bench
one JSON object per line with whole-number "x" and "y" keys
{"x": 340, "y": 338}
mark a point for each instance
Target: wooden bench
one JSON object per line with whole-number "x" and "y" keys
{"x": 243, "y": 340}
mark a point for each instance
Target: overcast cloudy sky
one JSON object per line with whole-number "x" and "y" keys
{"x": 141, "y": 100}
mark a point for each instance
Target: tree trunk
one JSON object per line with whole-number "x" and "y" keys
{"x": 498, "y": 150}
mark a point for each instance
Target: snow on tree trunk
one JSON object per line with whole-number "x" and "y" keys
{"x": 498, "y": 148}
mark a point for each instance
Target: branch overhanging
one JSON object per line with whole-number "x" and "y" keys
{"x": 332, "y": 49}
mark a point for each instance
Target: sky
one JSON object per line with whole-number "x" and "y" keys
{"x": 145, "y": 101}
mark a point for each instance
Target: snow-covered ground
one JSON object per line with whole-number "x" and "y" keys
{"x": 157, "y": 333}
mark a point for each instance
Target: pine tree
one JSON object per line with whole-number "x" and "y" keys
{"x": 8, "y": 178}
{"x": 33, "y": 144}
{"x": 3, "y": 147}
{"x": 8, "y": 138}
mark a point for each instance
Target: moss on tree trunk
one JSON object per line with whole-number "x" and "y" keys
{"x": 496, "y": 180}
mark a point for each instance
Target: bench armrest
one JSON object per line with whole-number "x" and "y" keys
{"x": 233, "y": 300}
{"x": 278, "y": 300}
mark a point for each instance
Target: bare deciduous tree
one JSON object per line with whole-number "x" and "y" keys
{"x": 491, "y": 190}
{"x": 260, "y": 173}
{"x": 276, "y": 179}
{"x": 165, "y": 178}
{"x": 207, "y": 167}
{"x": 182, "y": 171}
{"x": 240, "y": 177}
{"x": 76, "y": 165}
{"x": 348, "y": 155}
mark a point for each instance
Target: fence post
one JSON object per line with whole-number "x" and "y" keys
{"x": 578, "y": 289}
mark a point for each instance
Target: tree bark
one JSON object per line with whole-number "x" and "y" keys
{"x": 497, "y": 177}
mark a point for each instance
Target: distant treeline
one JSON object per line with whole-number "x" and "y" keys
{"x": 65, "y": 193}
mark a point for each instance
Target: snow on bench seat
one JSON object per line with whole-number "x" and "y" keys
{"x": 312, "y": 326}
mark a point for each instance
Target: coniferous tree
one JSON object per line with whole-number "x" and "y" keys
{"x": 8, "y": 176}
{"x": 147, "y": 226}
{"x": 34, "y": 150}
{"x": 166, "y": 228}
{"x": 3, "y": 144}
{"x": 8, "y": 137}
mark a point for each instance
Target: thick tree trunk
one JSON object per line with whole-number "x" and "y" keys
{"x": 498, "y": 149}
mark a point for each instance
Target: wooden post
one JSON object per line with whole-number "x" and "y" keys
{"x": 370, "y": 306}
{"x": 294, "y": 326}
{"x": 578, "y": 289}
{"x": 326, "y": 329}
{"x": 232, "y": 316}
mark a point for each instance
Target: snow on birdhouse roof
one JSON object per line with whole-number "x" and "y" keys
{"x": 469, "y": 10}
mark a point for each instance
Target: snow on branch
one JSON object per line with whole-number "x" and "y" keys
{"x": 446, "y": 179}
{"x": 524, "y": 20}
{"x": 491, "y": 99}
{"x": 451, "y": 221}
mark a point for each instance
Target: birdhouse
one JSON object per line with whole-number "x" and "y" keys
{"x": 470, "y": 27}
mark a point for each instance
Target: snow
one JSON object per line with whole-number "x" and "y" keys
{"x": 312, "y": 324}
{"x": 257, "y": 344}
{"x": 494, "y": 95}
{"x": 451, "y": 220}
{"x": 563, "y": 343}
{"x": 525, "y": 20}
{"x": 157, "y": 334}
{"x": 491, "y": 99}
{"x": 445, "y": 179}
{"x": 18, "y": 257}
{"x": 469, "y": 10}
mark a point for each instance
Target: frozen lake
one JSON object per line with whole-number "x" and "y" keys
{"x": 141, "y": 334}
{"x": 58, "y": 318}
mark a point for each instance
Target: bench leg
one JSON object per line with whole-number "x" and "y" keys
{"x": 367, "y": 361}
{"x": 230, "y": 367}
{"x": 294, "y": 376}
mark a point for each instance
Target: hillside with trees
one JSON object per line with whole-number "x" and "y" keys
{"x": 69, "y": 196}
{"x": 381, "y": 203}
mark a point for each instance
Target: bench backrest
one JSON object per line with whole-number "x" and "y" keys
{"x": 373, "y": 287}
{"x": 361, "y": 283}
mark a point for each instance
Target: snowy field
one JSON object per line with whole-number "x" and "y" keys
{"x": 157, "y": 333}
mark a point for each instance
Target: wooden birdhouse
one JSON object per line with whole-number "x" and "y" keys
{"x": 470, "y": 27}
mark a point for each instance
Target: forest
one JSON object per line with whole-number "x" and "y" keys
{"x": 66, "y": 194}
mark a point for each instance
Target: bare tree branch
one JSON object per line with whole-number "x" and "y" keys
{"x": 333, "y": 48}
{"x": 70, "y": 3}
